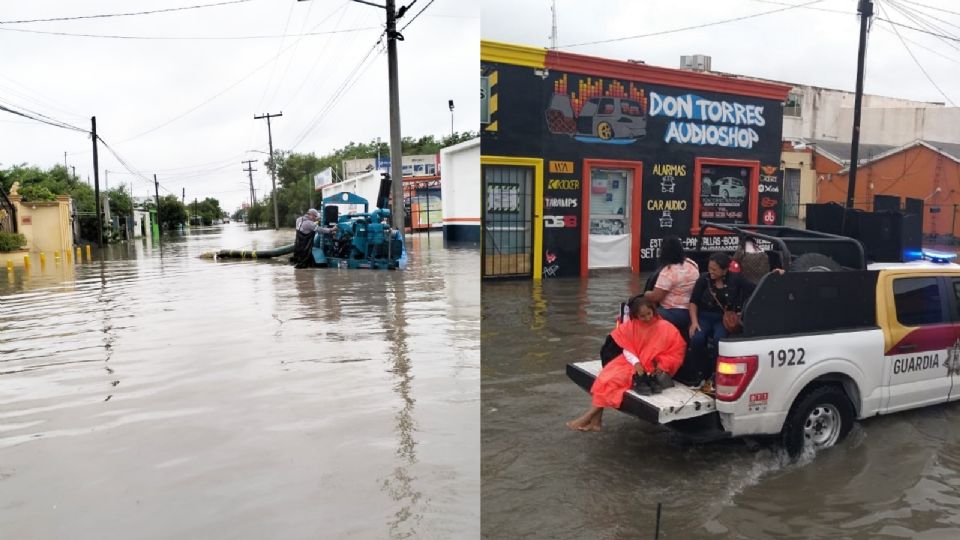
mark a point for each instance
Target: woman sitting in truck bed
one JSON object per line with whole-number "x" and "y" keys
{"x": 715, "y": 291}
{"x": 652, "y": 348}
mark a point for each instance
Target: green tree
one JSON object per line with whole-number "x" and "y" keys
{"x": 172, "y": 212}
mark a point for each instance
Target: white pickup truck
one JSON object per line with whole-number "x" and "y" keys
{"x": 819, "y": 350}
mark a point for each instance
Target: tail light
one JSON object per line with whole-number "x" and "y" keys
{"x": 734, "y": 373}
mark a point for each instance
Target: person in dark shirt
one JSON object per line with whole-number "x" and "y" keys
{"x": 716, "y": 290}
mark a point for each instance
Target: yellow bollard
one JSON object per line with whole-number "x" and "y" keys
{"x": 26, "y": 262}
{"x": 9, "y": 266}
{"x": 89, "y": 256}
{"x": 79, "y": 255}
{"x": 43, "y": 259}
{"x": 68, "y": 253}
{"x": 56, "y": 256}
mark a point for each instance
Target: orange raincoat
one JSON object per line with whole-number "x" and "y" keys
{"x": 657, "y": 344}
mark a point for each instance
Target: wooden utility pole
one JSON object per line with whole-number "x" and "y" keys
{"x": 866, "y": 11}
{"x": 396, "y": 152}
{"x": 156, "y": 188}
{"x": 253, "y": 197}
{"x": 96, "y": 180}
{"x": 273, "y": 167}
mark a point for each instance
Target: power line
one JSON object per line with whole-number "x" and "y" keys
{"x": 190, "y": 38}
{"x": 315, "y": 121}
{"x": 915, "y": 29}
{"x": 128, "y": 14}
{"x": 828, "y": 10}
{"x": 923, "y": 15}
{"x": 44, "y": 120}
{"x": 917, "y": 44}
{"x": 920, "y": 17}
{"x": 417, "y": 15}
{"x": 919, "y": 65}
{"x": 695, "y": 27}
{"x": 931, "y": 7}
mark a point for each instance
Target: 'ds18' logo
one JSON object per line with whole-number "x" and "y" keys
{"x": 560, "y": 222}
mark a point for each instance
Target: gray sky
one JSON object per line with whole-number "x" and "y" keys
{"x": 804, "y": 45}
{"x": 184, "y": 108}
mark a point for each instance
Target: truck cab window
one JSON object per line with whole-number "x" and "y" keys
{"x": 918, "y": 301}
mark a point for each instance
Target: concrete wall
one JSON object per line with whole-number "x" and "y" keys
{"x": 900, "y": 126}
{"x": 828, "y": 114}
{"x": 46, "y": 225}
{"x": 460, "y": 191}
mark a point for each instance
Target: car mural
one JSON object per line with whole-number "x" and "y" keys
{"x": 605, "y": 118}
{"x": 726, "y": 187}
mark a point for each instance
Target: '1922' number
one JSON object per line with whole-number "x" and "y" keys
{"x": 787, "y": 357}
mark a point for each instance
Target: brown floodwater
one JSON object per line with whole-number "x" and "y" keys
{"x": 175, "y": 397}
{"x": 893, "y": 477}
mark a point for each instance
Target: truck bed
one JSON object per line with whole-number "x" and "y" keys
{"x": 678, "y": 403}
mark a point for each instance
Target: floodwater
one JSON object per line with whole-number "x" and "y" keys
{"x": 176, "y": 397}
{"x": 893, "y": 477}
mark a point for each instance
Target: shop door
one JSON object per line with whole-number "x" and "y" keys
{"x": 609, "y": 238}
{"x": 507, "y": 221}
{"x": 791, "y": 196}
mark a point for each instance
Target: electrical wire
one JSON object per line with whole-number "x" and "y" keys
{"x": 923, "y": 14}
{"x": 931, "y": 7}
{"x": 43, "y": 119}
{"x": 914, "y": 16}
{"x": 915, "y": 29}
{"x": 128, "y": 14}
{"x": 828, "y": 10}
{"x": 919, "y": 65}
{"x": 189, "y": 38}
{"x": 694, "y": 27}
{"x": 417, "y": 15}
{"x": 918, "y": 44}
{"x": 317, "y": 118}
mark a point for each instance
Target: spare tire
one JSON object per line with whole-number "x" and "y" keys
{"x": 814, "y": 262}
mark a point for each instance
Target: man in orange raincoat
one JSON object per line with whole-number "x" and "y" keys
{"x": 650, "y": 345}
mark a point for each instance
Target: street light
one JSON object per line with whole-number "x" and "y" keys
{"x": 450, "y": 102}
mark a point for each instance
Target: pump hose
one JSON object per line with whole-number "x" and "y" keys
{"x": 248, "y": 253}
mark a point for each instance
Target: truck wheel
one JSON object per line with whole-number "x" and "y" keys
{"x": 819, "y": 418}
{"x": 814, "y": 262}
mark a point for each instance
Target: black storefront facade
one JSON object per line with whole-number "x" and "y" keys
{"x": 587, "y": 163}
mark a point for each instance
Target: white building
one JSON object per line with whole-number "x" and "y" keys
{"x": 460, "y": 191}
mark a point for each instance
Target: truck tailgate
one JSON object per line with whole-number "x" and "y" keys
{"x": 678, "y": 403}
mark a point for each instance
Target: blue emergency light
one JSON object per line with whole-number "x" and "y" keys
{"x": 938, "y": 256}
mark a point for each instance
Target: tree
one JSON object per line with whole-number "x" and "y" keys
{"x": 172, "y": 212}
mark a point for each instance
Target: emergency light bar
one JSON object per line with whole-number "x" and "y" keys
{"x": 938, "y": 256}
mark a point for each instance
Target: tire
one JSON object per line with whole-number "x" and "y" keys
{"x": 725, "y": 194}
{"x": 814, "y": 262}
{"x": 820, "y": 417}
{"x": 605, "y": 131}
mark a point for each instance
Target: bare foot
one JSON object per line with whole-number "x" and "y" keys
{"x": 590, "y": 427}
{"x": 572, "y": 424}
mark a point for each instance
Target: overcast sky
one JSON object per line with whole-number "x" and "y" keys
{"x": 806, "y": 45}
{"x": 183, "y": 108}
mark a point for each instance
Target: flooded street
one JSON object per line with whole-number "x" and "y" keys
{"x": 893, "y": 477}
{"x": 177, "y": 397}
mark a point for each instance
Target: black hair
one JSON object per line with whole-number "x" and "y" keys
{"x": 722, "y": 259}
{"x": 671, "y": 251}
{"x": 637, "y": 302}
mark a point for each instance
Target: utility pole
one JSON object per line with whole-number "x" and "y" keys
{"x": 253, "y": 197}
{"x": 553, "y": 29}
{"x": 396, "y": 152}
{"x": 273, "y": 167}
{"x": 74, "y": 172}
{"x": 865, "y": 8}
{"x": 96, "y": 181}
{"x": 156, "y": 187}
{"x": 65, "y": 161}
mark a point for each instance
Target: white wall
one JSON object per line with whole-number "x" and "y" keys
{"x": 460, "y": 182}
{"x": 827, "y": 114}
{"x": 900, "y": 126}
{"x": 366, "y": 185}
